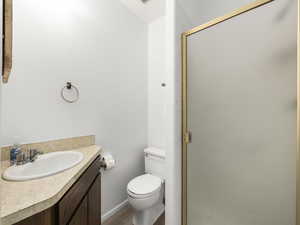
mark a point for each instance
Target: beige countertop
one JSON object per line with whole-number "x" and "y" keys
{"x": 20, "y": 200}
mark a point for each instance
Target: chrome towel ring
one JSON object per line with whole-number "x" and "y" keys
{"x": 69, "y": 87}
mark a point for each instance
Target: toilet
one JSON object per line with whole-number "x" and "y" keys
{"x": 146, "y": 192}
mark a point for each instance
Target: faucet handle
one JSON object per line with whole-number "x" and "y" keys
{"x": 33, "y": 153}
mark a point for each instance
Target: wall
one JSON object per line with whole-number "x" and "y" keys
{"x": 199, "y": 12}
{"x": 102, "y": 48}
{"x": 156, "y": 79}
{"x": 164, "y": 102}
{"x": 146, "y": 11}
{"x": 176, "y": 21}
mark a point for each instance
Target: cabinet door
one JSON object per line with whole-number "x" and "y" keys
{"x": 46, "y": 217}
{"x": 71, "y": 200}
{"x": 94, "y": 203}
{"x": 81, "y": 215}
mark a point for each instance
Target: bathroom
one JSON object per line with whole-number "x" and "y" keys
{"x": 107, "y": 88}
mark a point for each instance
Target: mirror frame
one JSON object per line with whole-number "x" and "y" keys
{"x": 7, "y": 39}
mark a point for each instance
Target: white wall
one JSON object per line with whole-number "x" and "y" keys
{"x": 102, "y": 48}
{"x": 147, "y": 11}
{"x": 156, "y": 77}
{"x": 176, "y": 22}
{"x": 200, "y": 12}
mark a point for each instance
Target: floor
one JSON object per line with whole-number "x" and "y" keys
{"x": 124, "y": 217}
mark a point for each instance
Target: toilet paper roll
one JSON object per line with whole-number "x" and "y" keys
{"x": 108, "y": 161}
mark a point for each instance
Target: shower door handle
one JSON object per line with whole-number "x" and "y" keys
{"x": 188, "y": 137}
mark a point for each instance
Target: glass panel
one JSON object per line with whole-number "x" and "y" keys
{"x": 242, "y": 84}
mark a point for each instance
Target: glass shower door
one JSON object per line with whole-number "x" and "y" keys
{"x": 242, "y": 112}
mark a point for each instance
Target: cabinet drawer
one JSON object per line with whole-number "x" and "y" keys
{"x": 72, "y": 199}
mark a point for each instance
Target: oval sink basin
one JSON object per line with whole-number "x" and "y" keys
{"x": 45, "y": 165}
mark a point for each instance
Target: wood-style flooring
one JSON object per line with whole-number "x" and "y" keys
{"x": 124, "y": 217}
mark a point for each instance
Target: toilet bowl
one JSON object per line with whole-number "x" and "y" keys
{"x": 145, "y": 195}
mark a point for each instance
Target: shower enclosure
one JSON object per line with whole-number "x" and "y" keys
{"x": 239, "y": 117}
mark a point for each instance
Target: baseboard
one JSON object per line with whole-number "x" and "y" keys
{"x": 113, "y": 211}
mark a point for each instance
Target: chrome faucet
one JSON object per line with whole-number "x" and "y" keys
{"x": 23, "y": 158}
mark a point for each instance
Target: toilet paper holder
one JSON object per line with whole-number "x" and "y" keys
{"x": 107, "y": 161}
{"x": 102, "y": 164}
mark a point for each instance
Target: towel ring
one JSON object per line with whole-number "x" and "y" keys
{"x": 69, "y": 86}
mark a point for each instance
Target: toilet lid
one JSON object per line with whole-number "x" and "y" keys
{"x": 144, "y": 184}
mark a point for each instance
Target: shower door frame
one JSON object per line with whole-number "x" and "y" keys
{"x": 186, "y": 135}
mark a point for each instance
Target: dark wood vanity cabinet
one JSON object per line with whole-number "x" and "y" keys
{"x": 81, "y": 205}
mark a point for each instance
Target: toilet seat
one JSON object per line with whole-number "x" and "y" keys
{"x": 144, "y": 186}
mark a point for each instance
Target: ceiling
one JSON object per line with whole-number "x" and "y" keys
{"x": 146, "y": 10}
{"x": 197, "y": 11}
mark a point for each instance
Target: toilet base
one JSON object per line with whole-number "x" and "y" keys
{"x": 149, "y": 216}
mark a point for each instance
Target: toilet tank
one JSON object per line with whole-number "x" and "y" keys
{"x": 155, "y": 162}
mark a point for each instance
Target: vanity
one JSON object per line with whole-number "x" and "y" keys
{"x": 79, "y": 206}
{"x": 72, "y": 197}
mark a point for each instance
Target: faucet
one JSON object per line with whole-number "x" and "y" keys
{"x": 23, "y": 158}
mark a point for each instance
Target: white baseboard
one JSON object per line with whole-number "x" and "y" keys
{"x": 113, "y": 211}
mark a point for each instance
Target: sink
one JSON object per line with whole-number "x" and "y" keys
{"x": 45, "y": 165}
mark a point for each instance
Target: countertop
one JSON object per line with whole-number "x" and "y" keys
{"x": 20, "y": 200}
